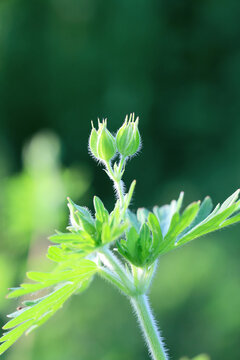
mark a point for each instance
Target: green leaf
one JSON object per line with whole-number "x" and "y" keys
{"x": 132, "y": 239}
{"x": 157, "y": 238}
{"x": 66, "y": 258}
{"x": 179, "y": 223}
{"x": 106, "y": 233}
{"x": 179, "y": 201}
{"x": 36, "y": 314}
{"x": 142, "y": 248}
{"x": 101, "y": 213}
{"x": 204, "y": 210}
{"x": 55, "y": 253}
{"x": 81, "y": 218}
{"x": 142, "y": 215}
{"x": 145, "y": 240}
{"x": 128, "y": 196}
{"x": 80, "y": 237}
{"x": 133, "y": 220}
{"x": 230, "y": 221}
{"x": 166, "y": 212}
{"x": 217, "y": 219}
{"x": 84, "y": 269}
{"x": 119, "y": 231}
{"x": 230, "y": 200}
{"x": 75, "y": 278}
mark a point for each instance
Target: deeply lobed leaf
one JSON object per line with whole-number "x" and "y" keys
{"x": 175, "y": 228}
{"x": 38, "y": 311}
{"x": 83, "y": 270}
{"x": 196, "y": 220}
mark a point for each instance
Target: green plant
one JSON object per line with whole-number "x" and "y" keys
{"x": 121, "y": 246}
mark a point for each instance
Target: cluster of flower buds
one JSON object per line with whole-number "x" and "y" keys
{"x": 104, "y": 146}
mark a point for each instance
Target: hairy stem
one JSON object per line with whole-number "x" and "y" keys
{"x": 113, "y": 279}
{"x": 119, "y": 188}
{"x": 117, "y": 182}
{"x": 112, "y": 262}
{"x": 147, "y": 323}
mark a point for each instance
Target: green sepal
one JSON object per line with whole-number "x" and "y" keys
{"x": 93, "y": 139}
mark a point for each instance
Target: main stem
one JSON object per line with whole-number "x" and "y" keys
{"x": 141, "y": 306}
{"x": 139, "y": 302}
{"x": 147, "y": 323}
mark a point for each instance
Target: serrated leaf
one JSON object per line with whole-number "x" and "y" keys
{"x": 66, "y": 258}
{"x": 179, "y": 223}
{"x": 85, "y": 269}
{"x": 213, "y": 222}
{"x": 81, "y": 237}
{"x": 204, "y": 211}
{"x": 36, "y": 312}
{"x": 36, "y": 315}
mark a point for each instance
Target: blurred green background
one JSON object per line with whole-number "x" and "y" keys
{"x": 174, "y": 63}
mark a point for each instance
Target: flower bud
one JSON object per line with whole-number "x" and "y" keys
{"x": 106, "y": 146}
{"x": 128, "y": 137}
{"x": 93, "y": 142}
{"x": 102, "y": 143}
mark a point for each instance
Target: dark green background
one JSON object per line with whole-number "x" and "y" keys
{"x": 174, "y": 63}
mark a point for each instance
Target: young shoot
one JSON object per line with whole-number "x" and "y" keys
{"x": 138, "y": 239}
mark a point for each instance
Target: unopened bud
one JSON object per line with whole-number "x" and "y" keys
{"x": 93, "y": 142}
{"x": 128, "y": 137}
{"x": 102, "y": 143}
